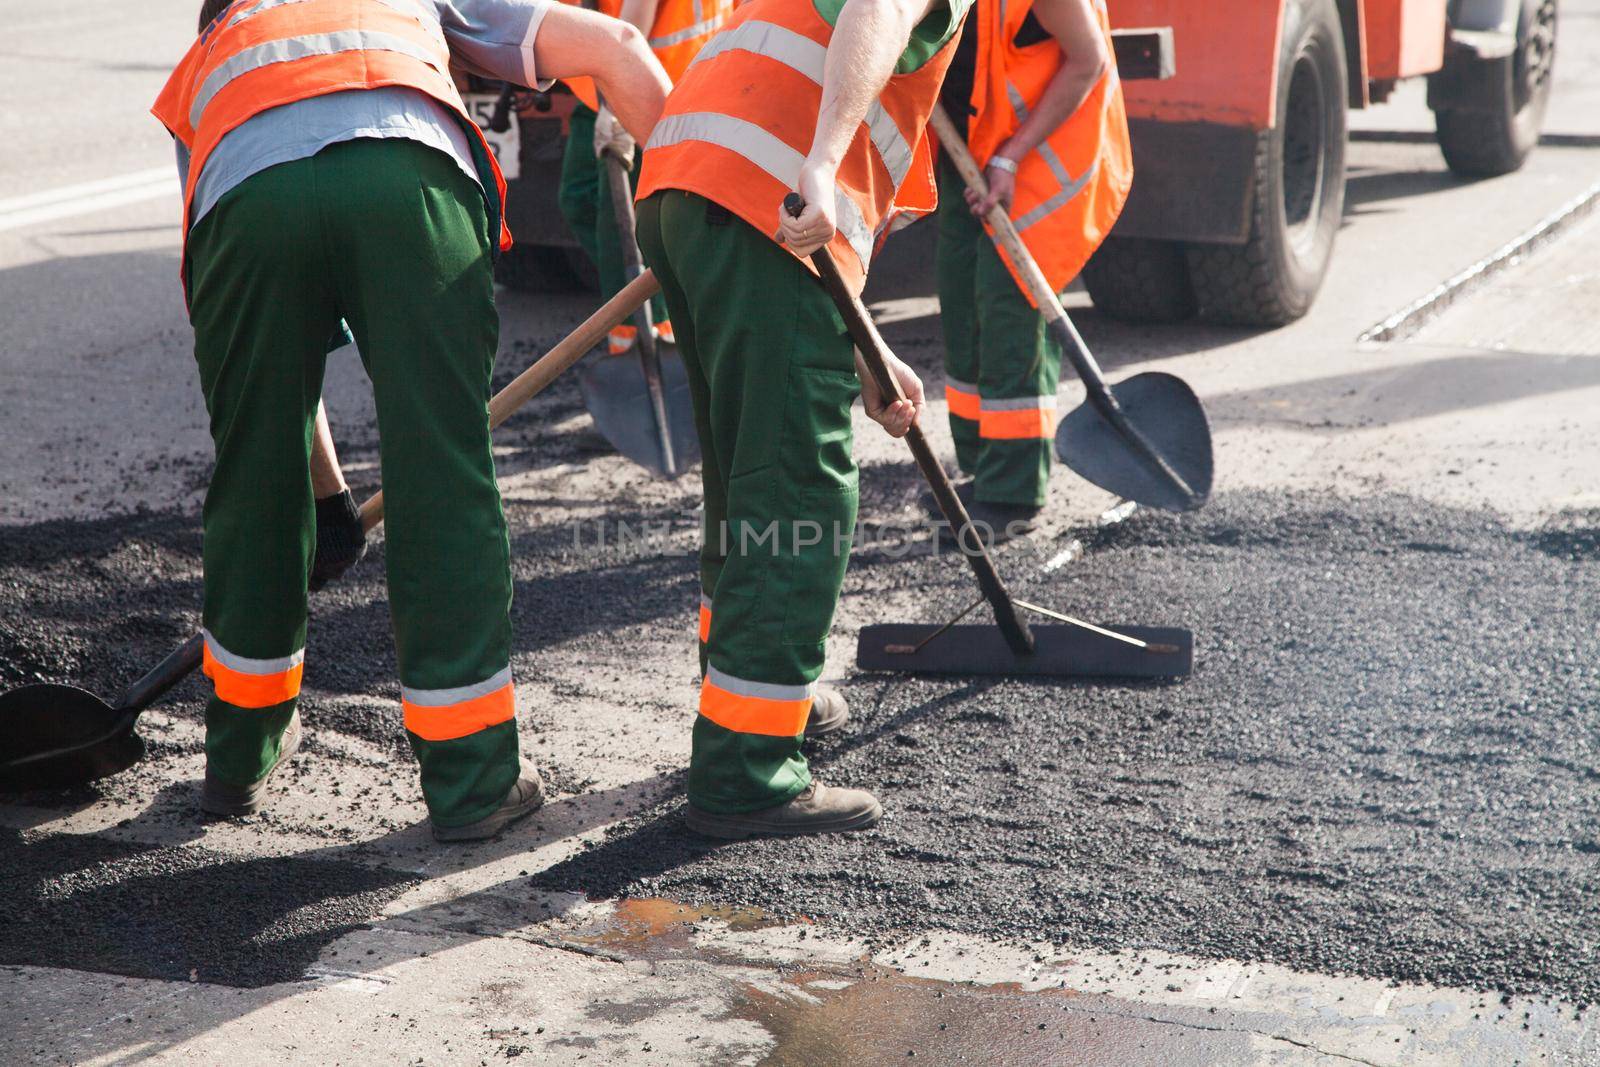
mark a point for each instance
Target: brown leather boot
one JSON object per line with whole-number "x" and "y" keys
{"x": 821, "y": 809}
{"x": 525, "y": 798}
{"x": 829, "y": 712}
{"x": 225, "y": 798}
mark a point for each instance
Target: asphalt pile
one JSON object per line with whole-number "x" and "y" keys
{"x": 1386, "y": 762}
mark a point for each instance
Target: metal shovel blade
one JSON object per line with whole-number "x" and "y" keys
{"x": 1167, "y": 412}
{"x": 59, "y": 735}
{"x": 1059, "y": 651}
{"x": 618, "y": 399}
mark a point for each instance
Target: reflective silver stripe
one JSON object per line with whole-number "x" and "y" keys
{"x": 1019, "y": 403}
{"x": 246, "y": 665}
{"x": 406, "y": 7}
{"x": 1070, "y": 186}
{"x": 443, "y": 698}
{"x": 800, "y": 53}
{"x": 765, "y": 151}
{"x": 960, "y": 386}
{"x": 292, "y": 48}
{"x": 757, "y": 690}
{"x": 705, "y": 602}
{"x": 688, "y": 33}
{"x": 1069, "y": 189}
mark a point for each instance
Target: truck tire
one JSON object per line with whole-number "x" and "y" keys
{"x": 1483, "y": 143}
{"x": 1298, "y": 195}
{"x": 1139, "y": 280}
{"x": 530, "y": 268}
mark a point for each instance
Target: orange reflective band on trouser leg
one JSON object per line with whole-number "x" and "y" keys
{"x": 754, "y": 707}
{"x": 250, "y": 683}
{"x": 705, "y": 618}
{"x": 621, "y": 339}
{"x": 962, "y": 399}
{"x": 664, "y": 332}
{"x": 1021, "y": 418}
{"x": 446, "y": 714}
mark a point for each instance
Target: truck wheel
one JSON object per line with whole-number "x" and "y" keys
{"x": 546, "y": 269}
{"x": 1298, "y": 195}
{"x": 1140, "y": 280}
{"x": 1486, "y": 143}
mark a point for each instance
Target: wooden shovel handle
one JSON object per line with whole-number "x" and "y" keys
{"x": 532, "y": 382}
{"x": 952, "y": 144}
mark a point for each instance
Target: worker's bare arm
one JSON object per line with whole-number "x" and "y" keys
{"x": 1076, "y": 29}
{"x": 573, "y": 42}
{"x": 326, "y": 476}
{"x": 868, "y": 40}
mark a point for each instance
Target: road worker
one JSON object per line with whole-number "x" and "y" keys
{"x": 331, "y": 172}
{"x": 828, "y": 98}
{"x": 676, "y": 30}
{"x": 1034, "y": 89}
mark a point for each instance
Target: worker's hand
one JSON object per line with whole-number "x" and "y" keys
{"x": 896, "y": 418}
{"x": 1002, "y": 190}
{"x": 814, "y": 227}
{"x": 609, "y": 136}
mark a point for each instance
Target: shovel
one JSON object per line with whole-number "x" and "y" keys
{"x": 641, "y": 406}
{"x": 1011, "y": 646}
{"x": 60, "y": 735}
{"x": 1144, "y": 439}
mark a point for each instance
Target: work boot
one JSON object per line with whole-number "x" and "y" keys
{"x": 225, "y": 798}
{"x": 525, "y": 798}
{"x": 829, "y": 712}
{"x": 994, "y": 524}
{"x": 341, "y": 542}
{"x": 964, "y": 492}
{"x": 821, "y": 809}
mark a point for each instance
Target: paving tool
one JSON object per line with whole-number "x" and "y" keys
{"x": 1145, "y": 439}
{"x": 1011, "y": 646}
{"x": 60, "y": 735}
{"x": 641, "y": 406}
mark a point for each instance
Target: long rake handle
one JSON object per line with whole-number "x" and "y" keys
{"x": 1005, "y": 236}
{"x": 873, "y": 348}
{"x": 533, "y": 381}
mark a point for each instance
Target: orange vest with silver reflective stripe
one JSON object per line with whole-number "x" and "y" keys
{"x": 261, "y": 54}
{"x": 738, "y": 126}
{"x": 680, "y": 30}
{"x": 1071, "y": 188}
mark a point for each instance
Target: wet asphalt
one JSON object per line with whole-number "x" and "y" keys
{"x": 1387, "y": 761}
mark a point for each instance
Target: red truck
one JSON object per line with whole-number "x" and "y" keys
{"x": 1237, "y": 110}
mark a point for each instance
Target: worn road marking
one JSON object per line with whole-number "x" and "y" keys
{"x": 87, "y": 197}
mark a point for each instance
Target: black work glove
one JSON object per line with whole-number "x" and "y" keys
{"x": 341, "y": 542}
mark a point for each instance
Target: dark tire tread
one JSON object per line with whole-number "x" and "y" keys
{"x": 1140, "y": 280}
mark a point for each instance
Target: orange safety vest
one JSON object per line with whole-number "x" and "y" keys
{"x": 1071, "y": 188}
{"x": 261, "y": 54}
{"x": 738, "y": 126}
{"x": 681, "y": 29}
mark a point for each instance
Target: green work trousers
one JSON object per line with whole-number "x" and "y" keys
{"x": 772, "y": 373}
{"x": 1001, "y": 364}
{"x": 586, "y": 204}
{"x": 391, "y": 236}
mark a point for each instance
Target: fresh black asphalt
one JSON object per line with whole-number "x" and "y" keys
{"x": 1386, "y": 763}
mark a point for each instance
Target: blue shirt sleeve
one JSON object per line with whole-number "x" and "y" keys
{"x": 494, "y": 38}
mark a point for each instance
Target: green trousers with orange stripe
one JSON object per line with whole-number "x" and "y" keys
{"x": 772, "y": 374}
{"x": 1001, "y": 364}
{"x": 391, "y": 236}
